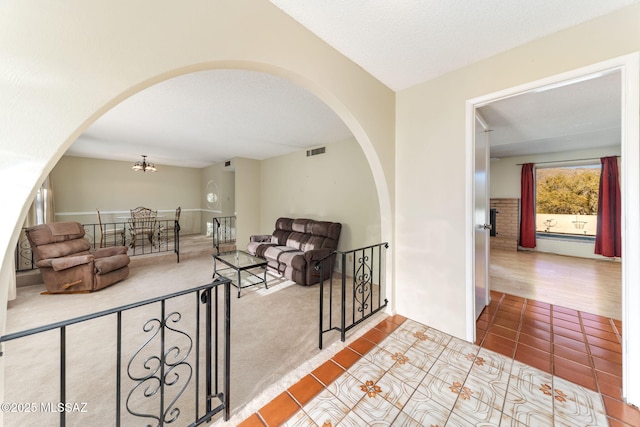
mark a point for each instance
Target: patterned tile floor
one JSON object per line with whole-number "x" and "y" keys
{"x": 526, "y": 369}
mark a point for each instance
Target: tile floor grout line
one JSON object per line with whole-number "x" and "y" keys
{"x": 592, "y": 364}
{"x": 553, "y": 364}
{"x": 506, "y": 392}
{"x": 615, "y": 328}
{"x": 524, "y": 304}
{"x": 416, "y": 389}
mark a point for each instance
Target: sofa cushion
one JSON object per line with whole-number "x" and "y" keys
{"x": 57, "y": 250}
{"x": 326, "y": 229}
{"x": 302, "y": 225}
{"x": 285, "y": 255}
{"x": 296, "y": 240}
{"x": 284, "y": 224}
{"x": 275, "y": 252}
{"x": 280, "y": 237}
{"x": 295, "y": 259}
{"x": 252, "y": 247}
{"x": 313, "y": 243}
{"x": 44, "y": 234}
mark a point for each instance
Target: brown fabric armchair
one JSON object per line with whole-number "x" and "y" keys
{"x": 66, "y": 263}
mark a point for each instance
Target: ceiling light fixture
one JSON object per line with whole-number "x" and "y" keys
{"x": 144, "y": 166}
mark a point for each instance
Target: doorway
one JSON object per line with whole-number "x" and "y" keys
{"x": 628, "y": 68}
{"x": 563, "y": 130}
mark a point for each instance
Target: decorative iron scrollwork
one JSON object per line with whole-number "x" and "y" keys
{"x": 160, "y": 372}
{"x": 362, "y": 287}
{"x": 25, "y": 255}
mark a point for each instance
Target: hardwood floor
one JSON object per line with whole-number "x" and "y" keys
{"x": 586, "y": 285}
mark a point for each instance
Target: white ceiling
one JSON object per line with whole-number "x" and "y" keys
{"x": 203, "y": 118}
{"x": 579, "y": 115}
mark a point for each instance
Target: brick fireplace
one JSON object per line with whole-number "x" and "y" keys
{"x": 506, "y": 224}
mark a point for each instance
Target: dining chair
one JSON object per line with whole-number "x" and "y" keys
{"x": 162, "y": 230}
{"x": 141, "y": 211}
{"x": 143, "y": 225}
{"x": 110, "y": 230}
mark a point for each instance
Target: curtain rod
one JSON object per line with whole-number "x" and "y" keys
{"x": 564, "y": 161}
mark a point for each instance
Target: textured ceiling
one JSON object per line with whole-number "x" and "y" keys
{"x": 203, "y": 118}
{"x": 406, "y": 42}
{"x": 581, "y": 115}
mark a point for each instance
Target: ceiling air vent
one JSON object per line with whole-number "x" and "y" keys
{"x": 315, "y": 151}
{"x": 227, "y": 163}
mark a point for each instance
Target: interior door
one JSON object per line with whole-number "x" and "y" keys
{"x": 481, "y": 215}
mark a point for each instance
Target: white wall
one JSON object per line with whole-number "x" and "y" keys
{"x": 335, "y": 186}
{"x": 431, "y": 156}
{"x": 505, "y": 183}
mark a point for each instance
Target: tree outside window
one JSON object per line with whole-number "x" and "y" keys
{"x": 567, "y": 199}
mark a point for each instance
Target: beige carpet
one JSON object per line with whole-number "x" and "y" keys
{"x": 274, "y": 339}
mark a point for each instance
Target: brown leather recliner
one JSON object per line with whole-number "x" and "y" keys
{"x": 66, "y": 263}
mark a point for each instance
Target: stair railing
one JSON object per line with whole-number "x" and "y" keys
{"x": 168, "y": 360}
{"x": 225, "y": 231}
{"x": 359, "y": 293}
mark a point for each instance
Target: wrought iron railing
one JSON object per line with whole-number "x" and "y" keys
{"x": 359, "y": 293}
{"x": 24, "y": 256}
{"x": 166, "y": 238}
{"x": 174, "y": 376}
{"x": 224, "y": 231}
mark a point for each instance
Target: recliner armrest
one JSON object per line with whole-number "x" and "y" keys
{"x": 260, "y": 238}
{"x": 59, "y": 264}
{"x": 111, "y": 251}
{"x": 316, "y": 255}
{"x": 112, "y": 263}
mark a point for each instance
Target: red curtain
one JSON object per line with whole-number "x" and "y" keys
{"x": 608, "y": 235}
{"x": 528, "y": 207}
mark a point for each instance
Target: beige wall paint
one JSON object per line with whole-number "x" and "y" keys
{"x": 248, "y": 198}
{"x": 82, "y": 185}
{"x": 431, "y": 157}
{"x": 334, "y": 186}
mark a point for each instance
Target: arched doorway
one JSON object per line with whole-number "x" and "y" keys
{"x": 52, "y": 101}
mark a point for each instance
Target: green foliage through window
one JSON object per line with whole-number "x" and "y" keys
{"x": 568, "y": 190}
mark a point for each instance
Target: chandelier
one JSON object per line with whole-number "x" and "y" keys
{"x": 144, "y": 166}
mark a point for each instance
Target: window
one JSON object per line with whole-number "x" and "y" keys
{"x": 567, "y": 200}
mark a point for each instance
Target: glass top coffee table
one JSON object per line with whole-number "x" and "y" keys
{"x": 236, "y": 262}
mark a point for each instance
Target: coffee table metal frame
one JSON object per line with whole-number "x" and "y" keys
{"x": 240, "y": 261}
